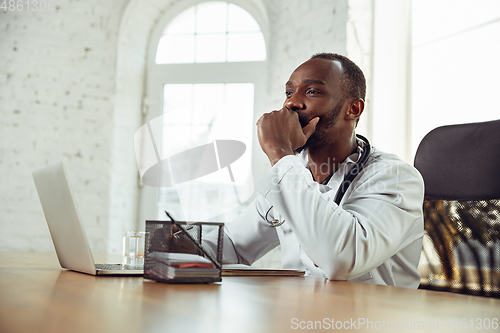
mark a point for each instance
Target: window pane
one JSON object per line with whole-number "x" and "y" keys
{"x": 218, "y": 112}
{"x": 174, "y": 97}
{"x": 223, "y": 110}
{"x": 211, "y": 48}
{"x": 454, "y": 79}
{"x": 211, "y": 17}
{"x": 239, "y": 45}
{"x": 212, "y": 32}
{"x": 437, "y": 19}
{"x": 240, "y": 20}
{"x": 183, "y": 24}
{"x": 207, "y": 101}
{"x": 234, "y": 119}
{"x": 175, "y": 50}
{"x": 176, "y": 138}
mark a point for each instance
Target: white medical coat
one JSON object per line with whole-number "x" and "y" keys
{"x": 374, "y": 235}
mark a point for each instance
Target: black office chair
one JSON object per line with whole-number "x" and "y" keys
{"x": 460, "y": 165}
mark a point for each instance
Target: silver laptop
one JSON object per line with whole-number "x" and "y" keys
{"x": 65, "y": 226}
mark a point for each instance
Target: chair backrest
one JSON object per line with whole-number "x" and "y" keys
{"x": 460, "y": 165}
{"x": 461, "y": 162}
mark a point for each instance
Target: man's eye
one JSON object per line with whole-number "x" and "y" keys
{"x": 288, "y": 93}
{"x": 312, "y": 92}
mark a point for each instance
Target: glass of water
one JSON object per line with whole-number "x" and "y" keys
{"x": 133, "y": 247}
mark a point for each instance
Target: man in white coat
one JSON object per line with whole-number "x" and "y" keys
{"x": 374, "y": 233}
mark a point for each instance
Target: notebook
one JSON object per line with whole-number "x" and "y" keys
{"x": 65, "y": 226}
{"x": 244, "y": 270}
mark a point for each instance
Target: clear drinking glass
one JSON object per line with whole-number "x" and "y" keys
{"x": 133, "y": 247}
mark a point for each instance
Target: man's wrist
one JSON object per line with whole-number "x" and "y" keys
{"x": 276, "y": 154}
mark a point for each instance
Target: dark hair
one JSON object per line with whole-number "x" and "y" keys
{"x": 353, "y": 81}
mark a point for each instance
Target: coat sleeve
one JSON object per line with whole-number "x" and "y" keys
{"x": 247, "y": 238}
{"x": 380, "y": 214}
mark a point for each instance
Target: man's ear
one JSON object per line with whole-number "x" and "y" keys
{"x": 355, "y": 109}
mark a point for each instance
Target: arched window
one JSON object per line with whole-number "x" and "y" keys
{"x": 211, "y": 32}
{"x": 205, "y": 78}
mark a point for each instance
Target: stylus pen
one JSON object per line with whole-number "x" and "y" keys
{"x": 173, "y": 220}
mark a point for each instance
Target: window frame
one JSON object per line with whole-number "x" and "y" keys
{"x": 157, "y": 75}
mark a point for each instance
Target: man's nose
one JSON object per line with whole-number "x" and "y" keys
{"x": 294, "y": 103}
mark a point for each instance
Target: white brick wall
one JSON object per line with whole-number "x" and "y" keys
{"x": 71, "y": 84}
{"x": 57, "y": 81}
{"x": 298, "y": 29}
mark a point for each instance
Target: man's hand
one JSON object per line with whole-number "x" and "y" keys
{"x": 280, "y": 133}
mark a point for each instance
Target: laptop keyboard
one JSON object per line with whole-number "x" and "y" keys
{"x": 117, "y": 267}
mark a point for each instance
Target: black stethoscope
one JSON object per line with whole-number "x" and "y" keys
{"x": 348, "y": 179}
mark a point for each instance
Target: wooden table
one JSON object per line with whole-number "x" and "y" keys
{"x": 37, "y": 296}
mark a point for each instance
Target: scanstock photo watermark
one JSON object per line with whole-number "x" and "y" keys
{"x": 449, "y": 324}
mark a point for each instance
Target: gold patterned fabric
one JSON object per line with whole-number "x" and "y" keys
{"x": 461, "y": 251}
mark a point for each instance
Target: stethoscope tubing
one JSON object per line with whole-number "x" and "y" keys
{"x": 348, "y": 179}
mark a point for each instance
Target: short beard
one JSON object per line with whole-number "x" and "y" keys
{"x": 319, "y": 138}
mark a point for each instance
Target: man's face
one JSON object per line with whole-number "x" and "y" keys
{"x": 314, "y": 90}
